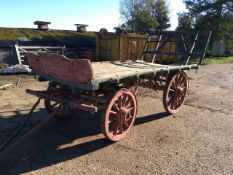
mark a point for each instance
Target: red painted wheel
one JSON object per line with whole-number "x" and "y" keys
{"x": 175, "y": 92}
{"x": 51, "y": 105}
{"x": 119, "y": 116}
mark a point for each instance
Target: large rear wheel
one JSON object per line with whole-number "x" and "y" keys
{"x": 119, "y": 115}
{"x": 175, "y": 92}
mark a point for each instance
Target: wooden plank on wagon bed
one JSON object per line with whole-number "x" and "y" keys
{"x": 117, "y": 72}
{"x": 106, "y": 70}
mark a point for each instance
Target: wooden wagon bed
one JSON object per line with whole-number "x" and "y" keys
{"x": 85, "y": 75}
{"x": 109, "y": 87}
{"x": 108, "y": 71}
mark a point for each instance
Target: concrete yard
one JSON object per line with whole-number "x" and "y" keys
{"x": 197, "y": 140}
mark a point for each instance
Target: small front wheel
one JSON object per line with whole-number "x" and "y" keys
{"x": 50, "y": 105}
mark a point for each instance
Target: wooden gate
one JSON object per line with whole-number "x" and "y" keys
{"x": 130, "y": 46}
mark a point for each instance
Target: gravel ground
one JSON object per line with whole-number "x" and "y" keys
{"x": 197, "y": 140}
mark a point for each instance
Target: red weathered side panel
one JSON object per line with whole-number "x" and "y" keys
{"x": 61, "y": 67}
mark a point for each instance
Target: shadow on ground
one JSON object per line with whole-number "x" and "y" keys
{"x": 45, "y": 148}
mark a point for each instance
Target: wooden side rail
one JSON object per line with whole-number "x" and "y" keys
{"x": 60, "y": 67}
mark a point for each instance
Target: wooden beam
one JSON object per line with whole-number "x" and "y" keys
{"x": 39, "y": 47}
{"x": 4, "y": 87}
{"x": 18, "y": 54}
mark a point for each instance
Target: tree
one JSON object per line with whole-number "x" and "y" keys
{"x": 161, "y": 14}
{"x": 142, "y": 15}
{"x": 185, "y": 22}
{"x": 215, "y": 15}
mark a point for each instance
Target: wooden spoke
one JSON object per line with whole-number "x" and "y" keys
{"x": 182, "y": 82}
{"x": 55, "y": 104}
{"x": 130, "y": 108}
{"x": 125, "y": 98}
{"x": 172, "y": 90}
{"x": 126, "y": 124}
{"x": 112, "y": 120}
{"x": 116, "y": 107}
{"x": 121, "y": 128}
{"x": 180, "y": 100}
{"x": 120, "y": 101}
{"x": 115, "y": 128}
{"x": 128, "y": 102}
{"x": 113, "y": 112}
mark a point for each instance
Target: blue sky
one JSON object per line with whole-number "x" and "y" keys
{"x": 65, "y": 13}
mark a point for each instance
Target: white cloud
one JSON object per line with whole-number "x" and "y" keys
{"x": 175, "y": 6}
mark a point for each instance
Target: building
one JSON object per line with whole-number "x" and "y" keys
{"x": 218, "y": 48}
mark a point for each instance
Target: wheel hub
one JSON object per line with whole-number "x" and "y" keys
{"x": 122, "y": 114}
{"x": 180, "y": 89}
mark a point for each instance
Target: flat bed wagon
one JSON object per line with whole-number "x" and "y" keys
{"x": 111, "y": 86}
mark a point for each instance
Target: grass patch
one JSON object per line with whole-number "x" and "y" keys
{"x": 219, "y": 60}
{"x": 49, "y": 37}
{"x": 13, "y": 34}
